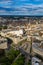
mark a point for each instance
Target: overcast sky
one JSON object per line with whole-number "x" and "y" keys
{"x": 21, "y": 7}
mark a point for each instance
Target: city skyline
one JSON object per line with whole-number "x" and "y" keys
{"x": 21, "y": 7}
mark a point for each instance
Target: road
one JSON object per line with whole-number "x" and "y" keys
{"x": 37, "y": 50}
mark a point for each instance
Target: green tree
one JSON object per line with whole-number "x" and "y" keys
{"x": 5, "y": 27}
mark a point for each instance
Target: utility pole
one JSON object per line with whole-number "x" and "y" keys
{"x": 31, "y": 45}
{"x": 31, "y": 50}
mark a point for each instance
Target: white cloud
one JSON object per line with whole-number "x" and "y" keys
{"x": 25, "y": 9}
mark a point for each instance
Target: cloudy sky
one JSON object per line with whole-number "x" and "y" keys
{"x": 21, "y": 7}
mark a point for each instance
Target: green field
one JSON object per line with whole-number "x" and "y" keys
{"x": 9, "y": 57}
{"x": 19, "y": 61}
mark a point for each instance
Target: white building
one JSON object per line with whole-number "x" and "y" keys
{"x": 16, "y": 32}
{"x": 3, "y": 43}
